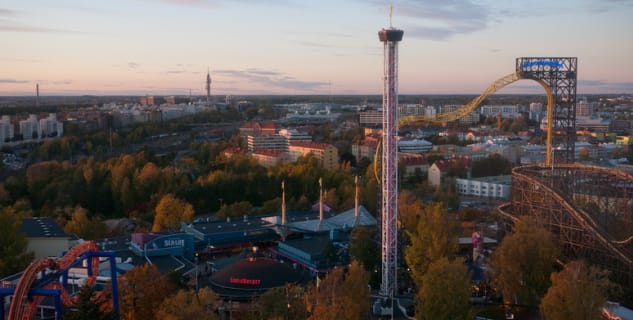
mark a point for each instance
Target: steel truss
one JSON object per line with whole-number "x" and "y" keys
{"x": 560, "y": 74}
{"x": 389, "y": 182}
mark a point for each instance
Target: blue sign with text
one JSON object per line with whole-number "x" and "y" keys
{"x": 551, "y": 63}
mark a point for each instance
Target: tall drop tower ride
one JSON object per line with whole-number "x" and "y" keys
{"x": 389, "y": 183}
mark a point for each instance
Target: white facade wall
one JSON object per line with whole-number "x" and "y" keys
{"x": 6, "y": 129}
{"x": 495, "y": 187}
{"x": 30, "y": 127}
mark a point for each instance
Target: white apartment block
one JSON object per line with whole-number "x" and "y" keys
{"x": 6, "y": 129}
{"x": 30, "y": 128}
{"x": 505, "y": 111}
{"x": 485, "y": 187}
{"x": 50, "y": 127}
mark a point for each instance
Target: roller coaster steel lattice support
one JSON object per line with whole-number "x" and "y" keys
{"x": 560, "y": 75}
{"x": 589, "y": 210}
{"x": 389, "y": 182}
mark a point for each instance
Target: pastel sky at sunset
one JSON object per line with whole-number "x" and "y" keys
{"x": 161, "y": 47}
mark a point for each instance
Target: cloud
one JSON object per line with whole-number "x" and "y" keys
{"x": 13, "y": 81}
{"x": 599, "y": 86}
{"x": 6, "y": 12}
{"x": 7, "y": 26}
{"x": 273, "y": 79}
{"x": 191, "y": 3}
{"x": 441, "y": 20}
{"x": 133, "y": 65}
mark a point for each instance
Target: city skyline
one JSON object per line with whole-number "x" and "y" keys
{"x": 165, "y": 47}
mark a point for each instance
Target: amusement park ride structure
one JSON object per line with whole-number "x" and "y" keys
{"x": 557, "y": 76}
{"x": 49, "y": 277}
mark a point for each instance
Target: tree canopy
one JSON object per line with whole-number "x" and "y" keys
{"x": 341, "y": 295}
{"x": 523, "y": 262}
{"x": 13, "y": 246}
{"x": 434, "y": 236}
{"x": 170, "y": 212}
{"x": 445, "y": 291}
{"x": 578, "y": 292}
{"x": 142, "y": 291}
{"x": 189, "y": 305}
{"x": 90, "y": 306}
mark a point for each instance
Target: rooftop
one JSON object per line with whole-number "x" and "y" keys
{"x": 42, "y": 227}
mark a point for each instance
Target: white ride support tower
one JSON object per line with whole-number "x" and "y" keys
{"x": 389, "y": 184}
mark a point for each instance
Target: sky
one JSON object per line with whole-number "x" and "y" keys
{"x": 166, "y": 47}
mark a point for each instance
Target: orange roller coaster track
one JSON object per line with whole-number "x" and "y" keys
{"x": 52, "y": 273}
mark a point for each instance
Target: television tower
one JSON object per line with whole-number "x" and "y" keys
{"x": 37, "y": 95}
{"x": 208, "y": 88}
{"x": 389, "y": 184}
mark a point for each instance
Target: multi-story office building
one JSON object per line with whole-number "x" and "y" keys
{"x": 267, "y": 141}
{"x": 292, "y": 135}
{"x": 371, "y": 118}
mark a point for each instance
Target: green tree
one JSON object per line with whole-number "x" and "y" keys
{"x": 89, "y": 306}
{"x": 523, "y": 262}
{"x": 435, "y": 236}
{"x": 364, "y": 247}
{"x": 170, "y": 211}
{"x": 493, "y": 165}
{"x": 189, "y": 304}
{"x": 577, "y": 292}
{"x": 445, "y": 291}
{"x": 13, "y": 246}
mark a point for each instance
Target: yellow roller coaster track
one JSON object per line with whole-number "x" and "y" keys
{"x": 472, "y": 105}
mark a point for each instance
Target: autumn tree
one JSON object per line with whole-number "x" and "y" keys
{"x": 13, "y": 246}
{"x": 410, "y": 210}
{"x": 583, "y": 154}
{"x": 170, "y": 212}
{"x": 341, "y": 295}
{"x": 577, "y": 292}
{"x": 435, "y": 236}
{"x": 199, "y": 305}
{"x": 356, "y": 292}
{"x": 89, "y": 306}
{"x": 523, "y": 262}
{"x": 281, "y": 303}
{"x": 445, "y": 291}
{"x": 84, "y": 227}
{"x": 142, "y": 291}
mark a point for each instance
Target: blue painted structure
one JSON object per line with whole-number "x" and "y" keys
{"x": 63, "y": 273}
{"x": 169, "y": 244}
